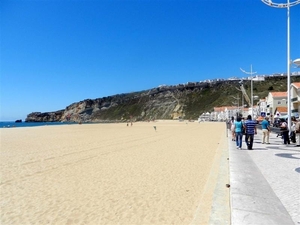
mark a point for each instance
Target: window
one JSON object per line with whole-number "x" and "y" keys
{"x": 279, "y": 102}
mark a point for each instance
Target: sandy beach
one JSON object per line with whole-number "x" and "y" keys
{"x": 110, "y": 173}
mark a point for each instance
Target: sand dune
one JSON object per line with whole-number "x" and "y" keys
{"x": 109, "y": 173}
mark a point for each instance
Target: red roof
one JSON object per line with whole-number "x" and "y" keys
{"x": 279, "y": 94}
{"x": 281, "y": 109}
{"x": 296, "y": 84}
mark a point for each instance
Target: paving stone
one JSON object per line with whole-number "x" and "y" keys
{"x": 265, "y": 183}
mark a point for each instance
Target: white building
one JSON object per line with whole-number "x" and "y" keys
{"x": 274, "y": 100}
{"x": 295, "y": 99}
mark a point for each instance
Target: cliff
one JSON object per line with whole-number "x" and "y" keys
{"x": 167, "y": 102}
{"x": 45, "y": 117}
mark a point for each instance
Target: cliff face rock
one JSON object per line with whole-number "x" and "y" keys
{"x": 166, "y": 102}
{"x": 44, "y": 117}
{"x": 137, "y": 106}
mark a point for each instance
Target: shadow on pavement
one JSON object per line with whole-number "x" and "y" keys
{"x": 261, "y": 149}
{"x": 288, "y": 155}
{"x": 297, "y": 169}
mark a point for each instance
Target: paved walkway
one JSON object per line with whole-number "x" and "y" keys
{"x": 264, "y": 183}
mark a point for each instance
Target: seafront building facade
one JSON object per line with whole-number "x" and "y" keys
{"x": 274, "y": 105}
{"x": 295, "y": 99}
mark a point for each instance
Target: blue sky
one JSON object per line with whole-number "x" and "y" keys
{"x": 55, "y": 53}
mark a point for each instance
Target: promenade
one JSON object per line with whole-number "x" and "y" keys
{"x": 264, "y": 182}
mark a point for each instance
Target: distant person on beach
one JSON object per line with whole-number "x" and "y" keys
{"x": 232, "y": 128}
{"x": 238, "y": 124}
{"x": 285, "y": 132}
{"x": 265, "y": 126}
{"x": 250, "y": 127}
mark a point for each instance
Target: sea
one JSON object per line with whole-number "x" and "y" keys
{"x": 12, "y": 124}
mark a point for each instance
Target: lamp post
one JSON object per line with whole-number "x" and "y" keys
{"x": 287, "y": 6}
{"x": 243, "y": 105}
{"x": 237, "y": 103}
{"x": 297, "y": 62}
{"x": 255, "y": 97}
{"x": 251, "y": 74}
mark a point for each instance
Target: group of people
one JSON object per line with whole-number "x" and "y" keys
{"x": 292, "y": 134}
{"x": 240, "y": 127}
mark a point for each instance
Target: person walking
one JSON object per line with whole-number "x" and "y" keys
{"x": 285, "y": 132}
{"x": 232, "y": 128}
{"x": 293, "y": 129}
{"x": 265, "y": 126}
{"x": 238, "y": 124}
{"x": 250, "y": 127}
{"x": 297, "y": 131}
{"x": 243, "y": 128}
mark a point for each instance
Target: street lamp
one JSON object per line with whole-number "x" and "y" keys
{"x": 243, "y": 105}
{"x": 286, "y": 5}
{"x": 241, "y": 94}
{"x": 237, "y": 103}
{"x": 251, "y": 74}
{"x": 297, "y": 62}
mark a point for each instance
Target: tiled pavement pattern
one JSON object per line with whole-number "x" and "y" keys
{"x": 265, "y": 182}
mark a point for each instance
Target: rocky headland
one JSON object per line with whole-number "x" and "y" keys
{"x": 165, "y": 102}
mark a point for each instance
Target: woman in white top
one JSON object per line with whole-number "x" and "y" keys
{"x": 232, "y": 128}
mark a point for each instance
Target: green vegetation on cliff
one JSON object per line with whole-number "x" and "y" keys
{"x": 168, "y": 102}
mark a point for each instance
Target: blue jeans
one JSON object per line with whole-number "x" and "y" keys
{"x": 238, "y": 139}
